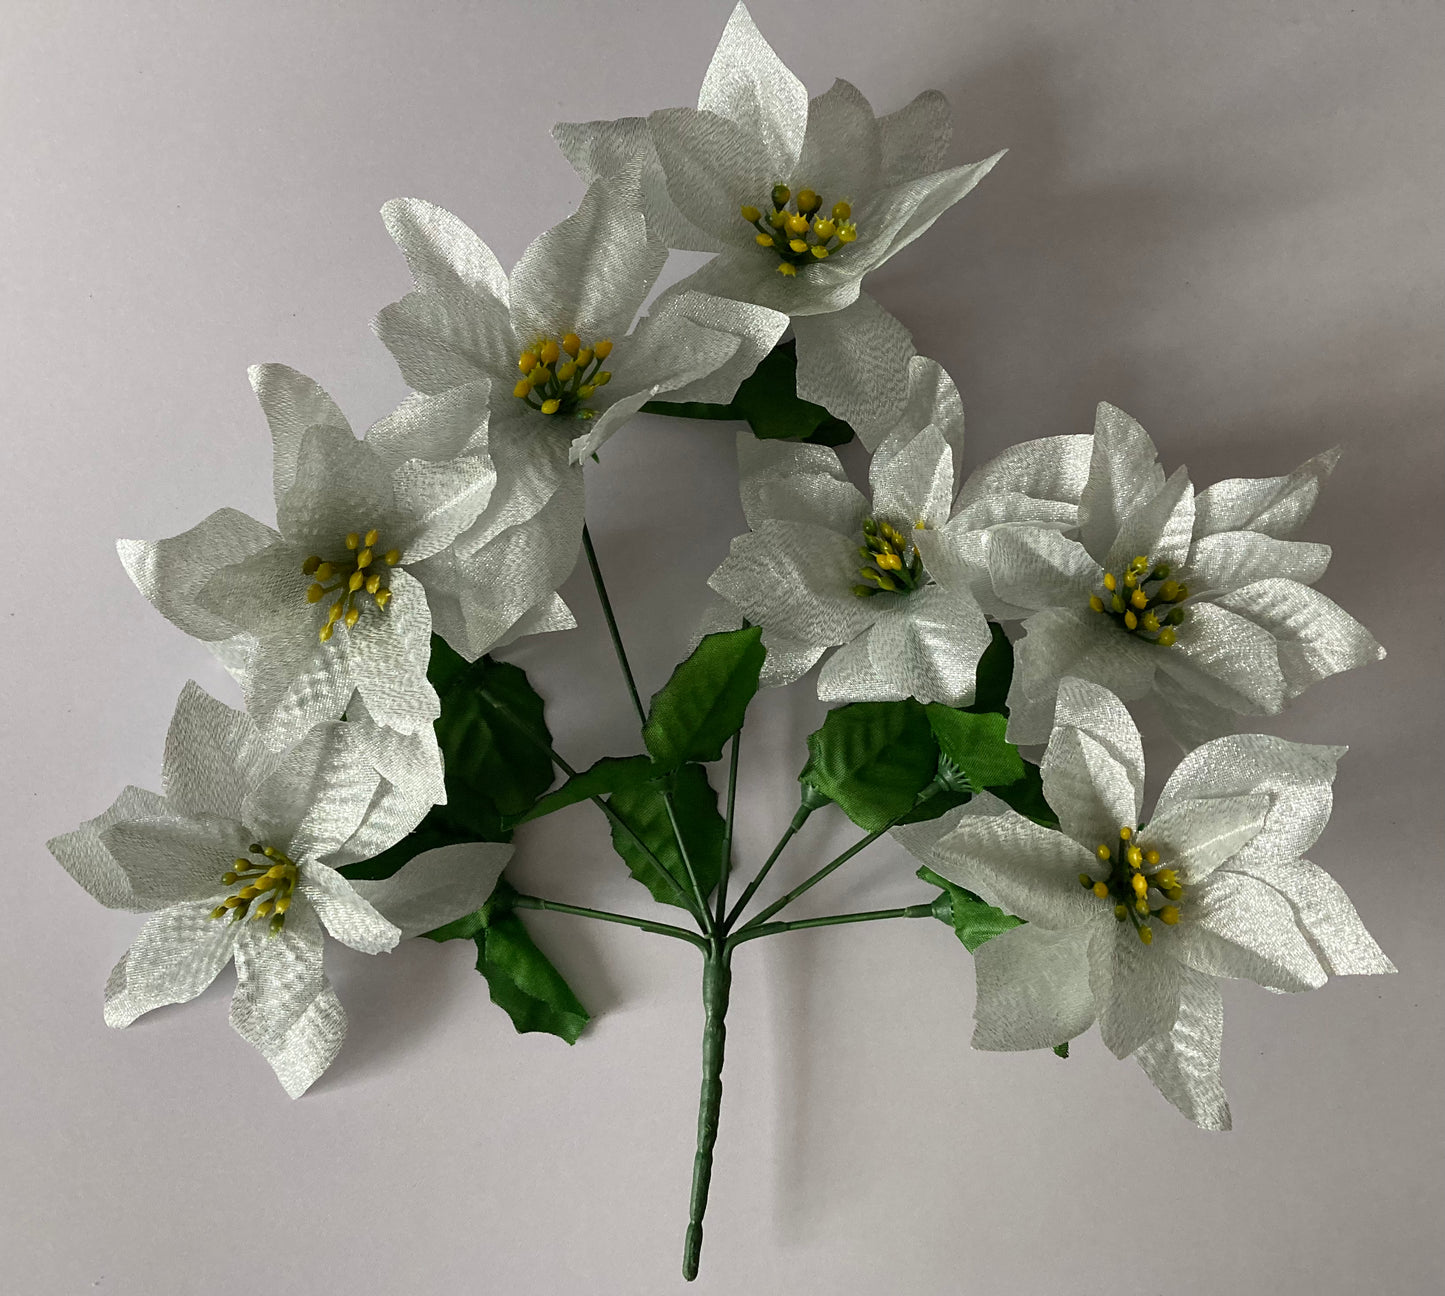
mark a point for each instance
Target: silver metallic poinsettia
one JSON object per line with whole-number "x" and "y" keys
{"x": 238, "y": 861}
{"x": 335, "y": 600}
{"x": 1129, "y": 924}
{"x": 799, "y": 199}
{"x": 910, "y": 620}
{"x": 1203, "y": 601}
{"x": 565, "y": 373}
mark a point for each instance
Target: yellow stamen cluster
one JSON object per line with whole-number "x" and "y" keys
{"x": 266, "y": 890}
{"x": 1131, "y": 603}
{"x": 559, "y": 377}
{"x": 1137, "y": 885}
{"x": 795, "y": 228}
{"x": 354, "y": 578}
{"x": 894, "y": 564}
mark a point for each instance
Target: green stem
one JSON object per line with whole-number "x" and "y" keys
{"x": 700, "y": 910}
{"x": 810, "y": 883}
{"x": 498, "y": 705}
{"x": 831, "y": 920}
{"x": 726, "y": 863}
{"x": 603, "y": 915}
{"x": 716, "y": 986}
{"x": 751, "y": 889}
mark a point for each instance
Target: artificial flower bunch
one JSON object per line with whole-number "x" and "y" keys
{"x": 371, "y": 788}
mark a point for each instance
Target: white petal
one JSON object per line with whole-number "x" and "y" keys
{"x": 1011, "y": 861}
{"x": 713, "y": 166}
{"x": 341, "y": 485}
{"x": 1296, "y": 777}
{"x": 912, "y": 478}
{"x": 749, "y": 84}
{"x": 438, "y": 886}
{"x": 1123, "y": 471}
{"x": 705, "y": 346}
{"x": 170, "y": 861}
{"x": 1225, "y": 658}
{"x": 344, "y": 912}
{"x": 589, "y": 274}
{"x": 1051, "y": 469}
{"x": 444, "y": 339}
{"x": 1037, "y": 567}
{"x": 790, "y": 482}
{"x": 854, "y": 362}
{"x": 389, "y": 652}
{"x": 1324, "y": 913}
{"x": 1273, "y": 506}
{"x": 171, "y": 573}
{"x": 933, "y": 401}
{"x": 292, "y": 403}
{"x": 851, "y": 675}
{"x": 1316, "y": 637}
{"x": 84, "y": 856}
{"x": 214, "y": 756}
{"x": 909, "y": 209}
{"x": 928, "y": 646}
{"x": 1093, "y": 770}
{"x": 1233, "y": 558}
{"x": 434, "y": 429}
{"x": 177, "y": 954}
{"x": 1033, "y": 988}
{"x": 1196, "y": 837}
{"x": 956, "y": 557}
{"x": 1184, "y": 1064}
{"x": 1191, "y": 719}
{"x": 1135, "y": 986}
{"x": 444, "y": 255}
{"x": 1157, "y": 527}
{"x": 916, "y": 137}
{"x": 549, "y": 615}
{"x": 1235, "y": 926}
{"x": 842, "y": 149}
{"x": 796, "y": 579}
{"x": 1062, "y": 642}
{"x": 283, "y": 1004}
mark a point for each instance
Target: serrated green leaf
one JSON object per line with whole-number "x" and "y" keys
{"x": 974, "y": 919}
{"x": 520, "y": 978}
{"x": 974, "y": 742}
{"x": 873, "y": 759}
{"x": 493, "y": 771}
{"x": 694, "y": 714}
{"x": 768, "y": 401}
{"x": 643, "y": 809}
{"x": 993, "y": 674}
{"x": 610, "y": 774}
{"x": 1027, "y": 797}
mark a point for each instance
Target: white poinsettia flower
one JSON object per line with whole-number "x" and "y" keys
{"x": 1129, "y": 924}
{"x": 1202, "y": 601}
{"x": 797, "y": 572}
{"x": 799, "y": 199}
{"x": 335, "y": 601}
{"x": 237, "y": 860}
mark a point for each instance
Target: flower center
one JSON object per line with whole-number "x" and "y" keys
{"x": 355, "y": 577}
{"x": 797, "y": 231}
{"x": 894, "y": 564}
{"x": 1138, "y": 886}
{"x": 265, "y": 890}
{"x": 562, "y": 389}
{"x": 1143, "y": 601}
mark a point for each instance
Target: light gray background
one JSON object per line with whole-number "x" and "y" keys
{"x": 1223, "y": 217}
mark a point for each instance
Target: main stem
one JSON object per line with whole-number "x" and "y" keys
{"x": 717, "y": 979}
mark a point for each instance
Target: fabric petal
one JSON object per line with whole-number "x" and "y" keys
{"x": 747, "y": 83}
{"x": 443, "y": 254}
{"x": 1316, "y": 637}
{"x": 1037, "y": 567}
{"x": 293, "y": 404}
{"x": 912, "y": 479}
{"x": 341, "y": 485}
{"x": 855, "y": 362}
{"x": 1123, "y": 470}
{"x": 1184, "y": 1064}
{"x": 283, "y": 1004}
{"x": 909, "y": 209}
{"x": 344, "y": 912}
{"x": 214, "y": 756}
{"x": 1196, "y": 837}
{"x": 1235, "y": 926}
{"x": 1231, "y": 559}
{"x": 170, "y": 861}
{"x": 1135, "y": 986}
{"x": 929, "y": 645}
{"x": 1272, "y": 506}
{"x": 712, "y": 166}
{"x": 842, "y": 148}
{"x": 441, "y": 340}
{"x": 1158, "y": 527}
{"x": 389, "y": 652}
{"x": 1053, "y": 469}
{"x": 1230, "y": 661}
{"x": 83, "y": 854}
{"x": 736, "y": 336}
{"x": 438, "y": 886}
{"x": 1093, "y": 769}
{"x": 1032, "y": 988}
{"x": 915, "y": 139}
{"x": 790, "y": 482}
{"x": 176, "y": 956}
{"x": 851, "y": 675}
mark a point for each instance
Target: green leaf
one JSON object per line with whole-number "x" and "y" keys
{"x": 1062, "y": 1049}
{"x": 643, "y": 809}
{"x": 610, "y": 774}
{"x": 1027, "y": 797}
{"x": 768, "y": 401}
{"x": 520, "y": 978}
{"x": 936, "y": 804}
{"x": 704, "y": 702}
{"x": 873, "y": 759}
{"x": 493, "y": 771}
{"x": 974, "y": 742}
{"x": 974, "y": 919}
{"x": 994, "y": 673}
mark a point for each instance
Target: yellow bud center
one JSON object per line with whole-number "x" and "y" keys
{"x": 562, "y": 390}
{"x": 351, "y": 579}
{"x": 893, "y": 563}
{"x": 1137, "y": 888}
{"x": 1141, "y": 601}
{"x": 265, "y": 886}
{"x": 808, "y": 234}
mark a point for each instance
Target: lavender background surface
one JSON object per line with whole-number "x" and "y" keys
{"x": 1223, "y": 217}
